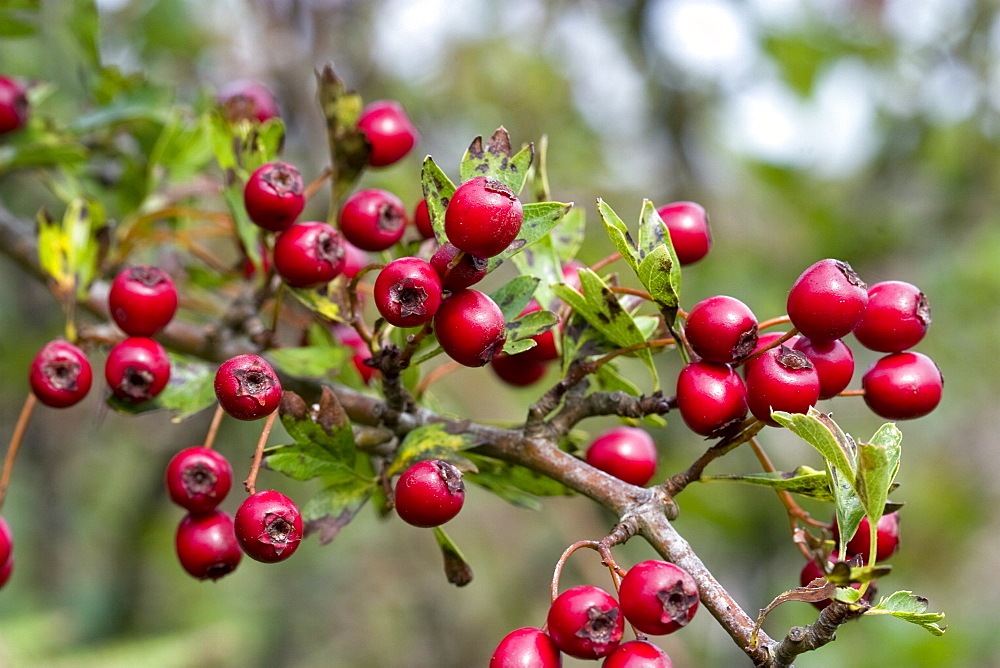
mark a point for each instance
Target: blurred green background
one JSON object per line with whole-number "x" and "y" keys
{"x": 866, "y": 130}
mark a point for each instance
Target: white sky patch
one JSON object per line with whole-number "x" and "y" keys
{"x": 763, "y": 120}
{"x": 707, "y": 38}
{"x": 923, "y": 23}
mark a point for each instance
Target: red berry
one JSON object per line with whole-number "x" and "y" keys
{"x": 781, "y": 379}
{"x": 274, "y": 196}
{"x": 60, "y": 375}
{"x": 373, "y": 220}
{"x": 137, "y": 369}
{"x": 517, "y": 370}
{"x": 833, "y": 360}
{"x": 13, "y": 105}
{"x": 407, "y": 292}
{"x": 586, "y": 622}
{"x": 429, "y": 493}
{"x": 470, "y": 327}
{"x": 309, "y": 254}
{"x": 247, "y": 100}
{"x": 896, "y": 318}
{"x": 355, "y": 259}
{"x": 901, "y": 386}
{"x": 827, "y": 300}
{"x": 526, "y": 648}
{"x": 6, "y": 541}
{"x": 887, "y": 538}
{"x": 721, "y": 329}
{"x": 6, "y": 570}
{"x": 689, "y": 231}
{"x": 483, "y": 217}
{"x": 389, "y": 131}
{"x": 711, "y": 397}
{"x": 198, "y": 479}
{"x": 247, "y": 387}
{"x": 571, "y": 274}
{"x": 422, "y": 220}
{"x": 627, "y": 453}
{"x": 142, "y": 300}
{"x": 658, "y": 597}
{"x": 457, "y": 269}
{"x": 268, "y": 526}
{"x": 637, "y": 654}
{"x": 206, "y": 545}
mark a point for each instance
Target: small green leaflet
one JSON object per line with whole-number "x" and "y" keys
{"x": 336, "y": 504}
{"x": 804, "y": 480}
{"x": 68, "y": 250}
{"x": 619, "y": 234}
{"x": 317, "y": 303}
{"x": 456, "y": 567}
{"x": 521, "y": 330}
{"x": 911, "y": 608}
{"x": 820, "y": 431}
{"x": 514, "y": 295}
{"x": 496, "y": 160}
{"x": 540, "y": 218}
{"x": 349, "y": 149}
{"x": 438, "y": 191}
{"x": 310, "y": 361}
{"x": 878, "y": 463}
{"x": 432, "y": 441}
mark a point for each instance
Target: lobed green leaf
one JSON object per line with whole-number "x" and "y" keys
{"x": 911, "y": 608}
{"x": 438, "y": 191}
{"x": 540, "y": 218}
{"x": 619, "y": 234}
{"x": 804, "y": 480}
{"x": 497, "y": 160}
{"x": 432, "y": 441}
{"x": 310, "y": 361}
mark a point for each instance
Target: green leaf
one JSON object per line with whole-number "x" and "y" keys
{"x": 310, "y": 361}
{"x": 334, "y": 506}
{"x": 438, "y": 191}
{"x": 432, "y": 441}
{"x": 878, "y": 463}
{"x": 567, "y": 238}
{"x": 911, "y": 608}
{"x": 610, "y": 379}
{"x": 191, "y": 388}
{"x": 349, "y": 148}
{"x": 456, "y": 566}
{"x": 68, "y": 250}
{"x": 183, "y": 148}
{"x": 516, "y": 484}
{"x": 11, "y": 27}
{"x": 514, "y": 296}
{"x": 619, "y": 234}
{"x": 317, "y": 303}
{"x": 848, "y": 507}
{"x": 804, "y": 480}
{"x": 324, "y": 424}
{"x": 307, "y": 460}
{"x": 540, "y": 218}
{"x": 522, "y": 329}
{"x": 50, "y": 247}
{"x": 496, "y": 160}
{"x": 540, "y": 262}
{"x": 820, "y": 431}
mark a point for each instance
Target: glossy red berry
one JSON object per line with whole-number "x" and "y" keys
{"x": 407, "y": 292}
{"x": 711, "y": 397}
{"x": 137, "y": 369}
{"x": 422, "y": 220}
{"x": 355, "y": 259}
{"x": 721, "y": 329}
{"x": 309, "y": 254}
{"x": 517, "y": 371}
{"x": 901, "y": 386}
{"x": 373, "y": 220}
{"x": 247, "y": 387}
{"x": 689, "y": 231}
{"x": 781, "y": 379}
{"x": 274, "y": 196}
{"x": 526, "y": 648}
{"x": 637, "y": 654}
{"x": 206, "y": 545}
{"x": 483, "y": 217}
{"x": 60, "y": 374}
{"x": 388, "y": 130}
{"x": 429, "y": 493}
{"x": 896, "y": 318}
{"x": 827, "y": 300}
{"x": 247, "y": 100}
{"x": 13, "y": 105}
{"x": 6, "y": 570}
{"x": 6, "y": 541}
{"x": 142, "y": 300}
{"x": 627, "y": 453}
{"x": 658, "y": 597}
{"x": 268, "y": 526}
{"x": 198, "y": 479}
{"x": 833, "y": 360}
{"x": 470, "y": 327}
{"x": 586, "y": 622}
{"x": 887, "y": 538}
{"x": 458, "y": 270}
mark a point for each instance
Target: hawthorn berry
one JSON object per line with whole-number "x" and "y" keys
{"x": 6, "y": 541}
{"x": 274, "y": 195}
{"x": 887, "y": 537}
{"x": 658, "y": 597}
{"x": 721, "y": 329}
{"x": 483, "y": 217}
{"x": 637, "y": 654}
{"x": 526, "y": 648}
{"x": 247, "y": 100}
{"x": 355, "y": 259}
{"x": 60, "y": 375}
{"x": 206, "y": 545}
{"x": 781, "y": 379}
{"x": 627, "y": 453}
{"x": 711, "y": 397}
{"x": 896, "y": 318}
{"x": 422, "y": 220}
{"x": 470, "y": 327}
{"x": 429, "y": 493}
{"x": 457, "y": 269}
{"x": 142, "y": 300}
{"x": 586, "y": 622}
{"x": 516, "y": 370}
{"x": 373, "y": 220}
{"x": 407, "y": 292}
{"x": 833, "y": 360}
{"x": 247, "y": 387}
{"x": 198, "y": 479}
{"x": 901, "y": 386}
{"x": 689, "y": 231}
{"x": 268, "y": 526}
{"x": 137, "y": 369}
{"x": 389, "y": 132}
{"x": 827, "y": 300}
{"x": 309, "y": 254}
{"x": 13, "y": 105}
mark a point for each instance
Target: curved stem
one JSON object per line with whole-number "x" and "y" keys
{"x": 213, "y": 428}
{"x": 774, "y": 344}
{"x": 15, "y": 443}
{"x": 251, "y": 481}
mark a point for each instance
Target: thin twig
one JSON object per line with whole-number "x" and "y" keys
{"x": 15, "y": 443}
{"x": 258, "y": 455}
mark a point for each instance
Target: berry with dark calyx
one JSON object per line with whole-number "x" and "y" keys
{"x": 142, "y": 300}
{"x": 711, "y": 397}
{"x": 526, "y": 648}
{"x": 274, "y": 196}
{"x": 781, "y": 379}
{"x": 373, "y": 220}
{"x": 827, "y": 300}
{"x": 896, "y": 318}
{"x": 658, "y": 597}
{"x": 689, "y": 231}
{"x": 833, "y": 360}
{"x": 637, "y": 654}
{"x": 6, "y": 541}
{"x": 429, "y": 493}
{"x": 458, "y": 270}
{"x": 309, "y": 254}
{"x": 206, "y": 545}
{"x": 198, "y": 479}
{"x": 13, "y": 105}
{"x": 483, "y": 217}
{"x": 721, "y": 329}
{"x": 389, "y": 132}
{"x": 517, "y": 370}
{"x": 137, "y": 369}
{"x": 247, "y": 387}
{"x": 407, "y": 292}
{"x": 268, "y": 526}
{"x": 422, "y": 220}
{"x": 470, "y": 327}
{"x": 586, "y": 622}
{"x": 627, "y": 453}
{"x": 247, "y": 100}
{"x": 887, "y": 537}
{"x": 60, "y": 374}
{"x": 902, "y": 386}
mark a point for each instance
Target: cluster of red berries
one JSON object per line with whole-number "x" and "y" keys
{"x": 587, "y": 622}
